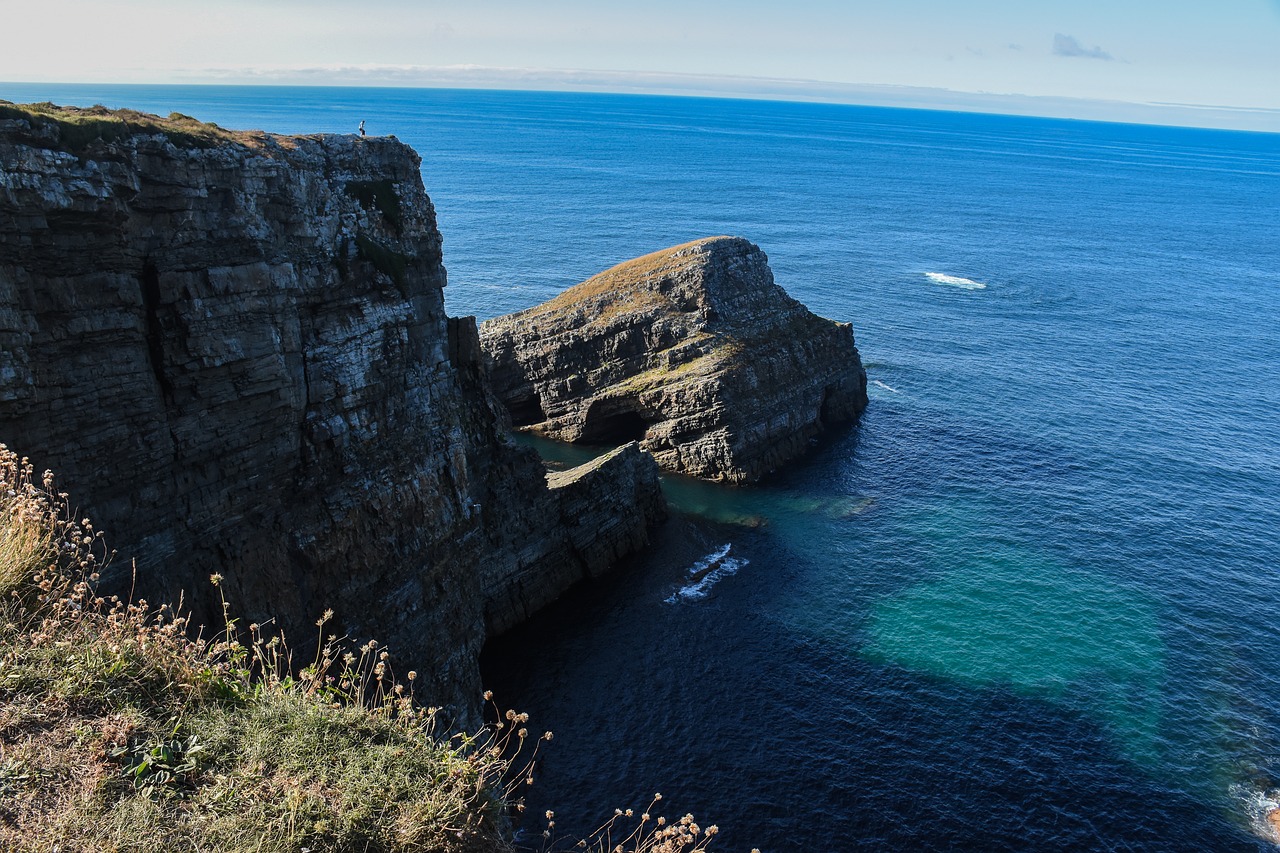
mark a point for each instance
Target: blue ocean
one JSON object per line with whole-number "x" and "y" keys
{"x": 1030, "y": 600}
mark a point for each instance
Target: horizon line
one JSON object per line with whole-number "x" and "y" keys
{"x": 735, "y": 87}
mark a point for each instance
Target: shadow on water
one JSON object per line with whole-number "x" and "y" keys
{"x": 975, "y": 704}
{"x": 737, "y": 717}
{"x": 743, "y": 506}
{"x": 928, "y": 647}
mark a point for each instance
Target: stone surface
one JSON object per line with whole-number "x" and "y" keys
{"x": 607, "y": 506}
{"x": 233, "y": 350}
{"x": 693, "y": 351}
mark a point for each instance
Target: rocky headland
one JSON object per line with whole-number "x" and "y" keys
{"x": 694, "y": 351}
{"x": 233, "y": 348}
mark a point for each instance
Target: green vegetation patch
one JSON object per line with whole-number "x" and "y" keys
{"x": 388, "y": 261}
{"x": 634, "y": 281}
{"x": 379, "y": 195}
{"x": 725, "y": 354}
{"x": 118, "y": 731}
{"x": 78, "y": 129}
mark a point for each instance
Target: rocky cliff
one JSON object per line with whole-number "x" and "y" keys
{"x": 234, "y": 350}
{"x": 693, "y": 351}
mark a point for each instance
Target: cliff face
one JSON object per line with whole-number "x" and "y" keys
{"x": 693, "y": 351}
{"x": 233, "y": 349}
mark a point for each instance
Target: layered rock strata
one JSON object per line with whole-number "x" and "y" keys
{"x": 694, "y": 351}
{"x": 233, "y": 349}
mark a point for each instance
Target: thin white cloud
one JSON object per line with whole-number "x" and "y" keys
{"x": 1071, "y": 46}
{"x": 733, "y": 86}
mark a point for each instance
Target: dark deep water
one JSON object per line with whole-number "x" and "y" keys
{"x": 1029, "y": 601}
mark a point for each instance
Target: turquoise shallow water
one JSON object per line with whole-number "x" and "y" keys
{"x": 1028, "y": 602}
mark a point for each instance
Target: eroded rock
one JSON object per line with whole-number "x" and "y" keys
{"x": 693, "y": 351}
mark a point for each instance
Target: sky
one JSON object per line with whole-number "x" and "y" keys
{"x": 1205, "y": 62}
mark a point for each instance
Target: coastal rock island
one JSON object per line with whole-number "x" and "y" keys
{"x": 233, "y": 349}
{"x": 693, "y": 351}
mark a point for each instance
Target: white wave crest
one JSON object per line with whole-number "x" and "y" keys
{"x": 705, "y": 574}
{"x": 955, "y": 281}
{"x": 1258, "y": 806}
{"x": 885, "y": 387}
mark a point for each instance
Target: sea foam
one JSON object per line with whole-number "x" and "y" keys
{"x": 1257, "y": 806}
{"x": 955, "y": 281}
{"x": 705, "y": 574}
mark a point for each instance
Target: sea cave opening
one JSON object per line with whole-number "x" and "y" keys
{"x": 614, "y": 423}
{"x": 526, "y": 410}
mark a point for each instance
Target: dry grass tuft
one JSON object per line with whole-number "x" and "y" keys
{"x": 119, "y": 731}
{"x": 647, "y": 832}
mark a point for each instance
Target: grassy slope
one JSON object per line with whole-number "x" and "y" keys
{"x": 120, "y": 732}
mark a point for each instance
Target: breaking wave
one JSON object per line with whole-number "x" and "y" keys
{"x": 955, "y": 281}
{"x": 1258, "y": 806}
{"x": 705, "y": 574}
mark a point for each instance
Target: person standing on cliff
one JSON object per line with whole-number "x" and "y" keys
{"x": 362, "y": 127}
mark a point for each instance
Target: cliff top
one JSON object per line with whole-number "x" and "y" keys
{"x": 643, "y": 271}
{"x": 77, "y": 127}
{"x": 650, "y": 281}
{"x": 121, "y": 732}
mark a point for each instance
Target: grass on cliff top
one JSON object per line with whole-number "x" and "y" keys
{"x": 119, "y": 731}
{"x": 80, "y": 127}
{"x": 627, "y": 285}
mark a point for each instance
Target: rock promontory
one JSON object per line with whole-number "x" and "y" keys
{"x": 234, "y": 350}
{"x": 693, "y": 351}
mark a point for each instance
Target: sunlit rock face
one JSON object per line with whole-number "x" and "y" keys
{"x": 693, "y": 351}
{"x": 233, "y": 348}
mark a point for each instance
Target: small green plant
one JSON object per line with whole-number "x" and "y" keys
{"x": 39, "y": 532}
{"x": 628, "y": 832}
{"x": 161, "y": 768}
{"x": 388, "y": 261}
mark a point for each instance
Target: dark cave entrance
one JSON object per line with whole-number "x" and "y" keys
{"x": 526, "y": 410}
{"x": 826, "y": 411}
{"x": 614, "y": 422}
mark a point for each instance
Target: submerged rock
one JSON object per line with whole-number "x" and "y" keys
{"x": 693, "y": 351}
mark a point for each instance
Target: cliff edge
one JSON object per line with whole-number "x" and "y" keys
{"x": 234, "y": 350}
{"x": 694, "y": 351}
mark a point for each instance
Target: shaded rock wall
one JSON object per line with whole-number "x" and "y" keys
{"x": 693, "y": 351}
{"x": 235, "y": 354}
{"x": 607, "y": 507}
